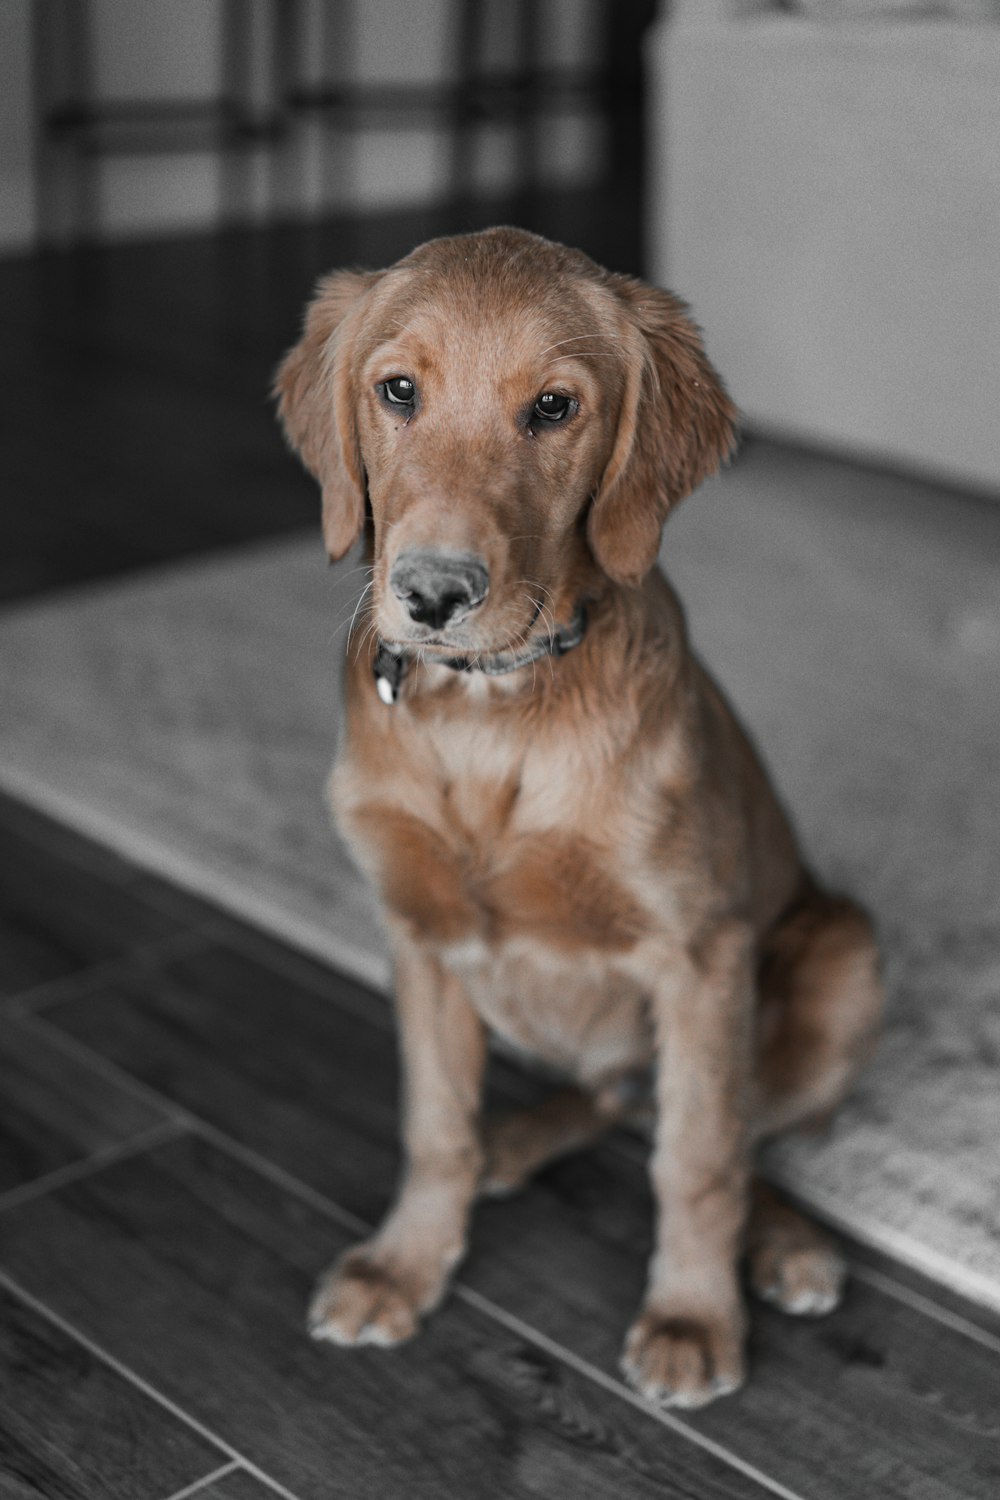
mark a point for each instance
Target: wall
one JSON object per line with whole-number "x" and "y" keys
{"x": 828, "y": 198}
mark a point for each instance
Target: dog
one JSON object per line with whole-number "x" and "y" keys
{"x": 575, "y": 843}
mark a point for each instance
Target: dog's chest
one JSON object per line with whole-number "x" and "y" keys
{"x": 534, "y": 917}
{"x": 514, "y": 867}
{"x": 511, "y": 857}
{"x": 473, "y": 837}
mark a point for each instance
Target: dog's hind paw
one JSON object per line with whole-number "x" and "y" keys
{"x": 792, "y": 1262}
{"x": 804, "y": 1280}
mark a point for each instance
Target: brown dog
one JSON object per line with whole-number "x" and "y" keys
{"x": 575, "y": 843}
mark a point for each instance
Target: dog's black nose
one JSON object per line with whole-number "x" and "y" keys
{"x": 435, "y": 587}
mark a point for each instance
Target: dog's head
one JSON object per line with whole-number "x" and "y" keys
{"x": 513, "y": 414}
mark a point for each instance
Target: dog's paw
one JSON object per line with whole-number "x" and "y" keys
{"x": 806, "y": 1280}
{"x": 360, "y": 1301}
{"x": 508, "y": 1162}
{"x": 683, "y": 1361}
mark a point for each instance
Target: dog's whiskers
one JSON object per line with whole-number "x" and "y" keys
{"x": 341, "y": 624}
{"x": 368, "y": 633}
{"x": 363, "y": 602}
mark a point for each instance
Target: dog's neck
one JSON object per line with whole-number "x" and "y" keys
{"x": 390, "y": 664}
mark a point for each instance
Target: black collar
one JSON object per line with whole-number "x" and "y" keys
{"x": 390, "y": 663}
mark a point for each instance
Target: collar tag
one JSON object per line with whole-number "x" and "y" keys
{"x": 387, "y": 669}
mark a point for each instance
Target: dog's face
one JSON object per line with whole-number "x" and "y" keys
{"x": 512, "y": 415}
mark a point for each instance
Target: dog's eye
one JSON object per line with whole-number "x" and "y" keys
{"x": 552, "y": 407}
{"x": 400, "y": 391}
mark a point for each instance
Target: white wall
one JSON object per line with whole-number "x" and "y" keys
{"x": 828, "y": 198}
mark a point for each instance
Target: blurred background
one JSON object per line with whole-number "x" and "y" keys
{"x": 166, "y": 115}
{"x": 197, "y": 1079}
{"x": 819, "y": 179}
{"x": 175, "y": 174}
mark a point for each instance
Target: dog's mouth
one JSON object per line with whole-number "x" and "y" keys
{"x": 432, "y": 641}
{"x": 461, "y": 643}
{"x": 446, "y": 648}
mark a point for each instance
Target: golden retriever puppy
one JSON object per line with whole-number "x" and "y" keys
{"x": 575, "y": 843}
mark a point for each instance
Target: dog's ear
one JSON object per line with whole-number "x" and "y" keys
{"x": 675, "y": 428}
{"x": 316, "y": 404}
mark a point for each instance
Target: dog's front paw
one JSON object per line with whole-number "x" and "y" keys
{"x": 683, "y": 1361}
{"x": 360, "y": 1301}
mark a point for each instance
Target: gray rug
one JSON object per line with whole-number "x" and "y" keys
{"x": 188, "y": 719}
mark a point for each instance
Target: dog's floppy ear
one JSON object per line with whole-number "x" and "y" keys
{"x": 675, "y": 428}
{"x": 316, "y": 406}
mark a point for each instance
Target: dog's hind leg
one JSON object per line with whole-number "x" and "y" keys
{"x": 518, "y": 1145}
{"x": 820, "y": 1004}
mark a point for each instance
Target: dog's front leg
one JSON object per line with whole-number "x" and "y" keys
{"x": 686, "y": 1347}
{"x": 377, "y": 1292}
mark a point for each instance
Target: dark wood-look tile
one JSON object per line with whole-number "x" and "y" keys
{"x": 880, "y": 1398}
{"x": 236, "y": 1486}
{"x": 24, "y": 826}
{"x": 27, "y": 826}
{"x": 192, "y": 1269}
{"x": 66, "y": 905}
{"x": 56, "y": 1110}
{"x": 74, "y": 1429}
{"x": 246, "y": 1042}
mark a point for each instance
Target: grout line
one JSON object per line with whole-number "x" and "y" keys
{"x": 50, "y": 1182}
{"x": 265, "y": 1480}
{"x": 105, "y": 1068}
{"x": 133, "y": 1378}
{"x": 203, "y": 1484}
{"x": 916, "y": 1300}
{"x": 280, "y": 1177}
{"x": 107, "y": 970}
